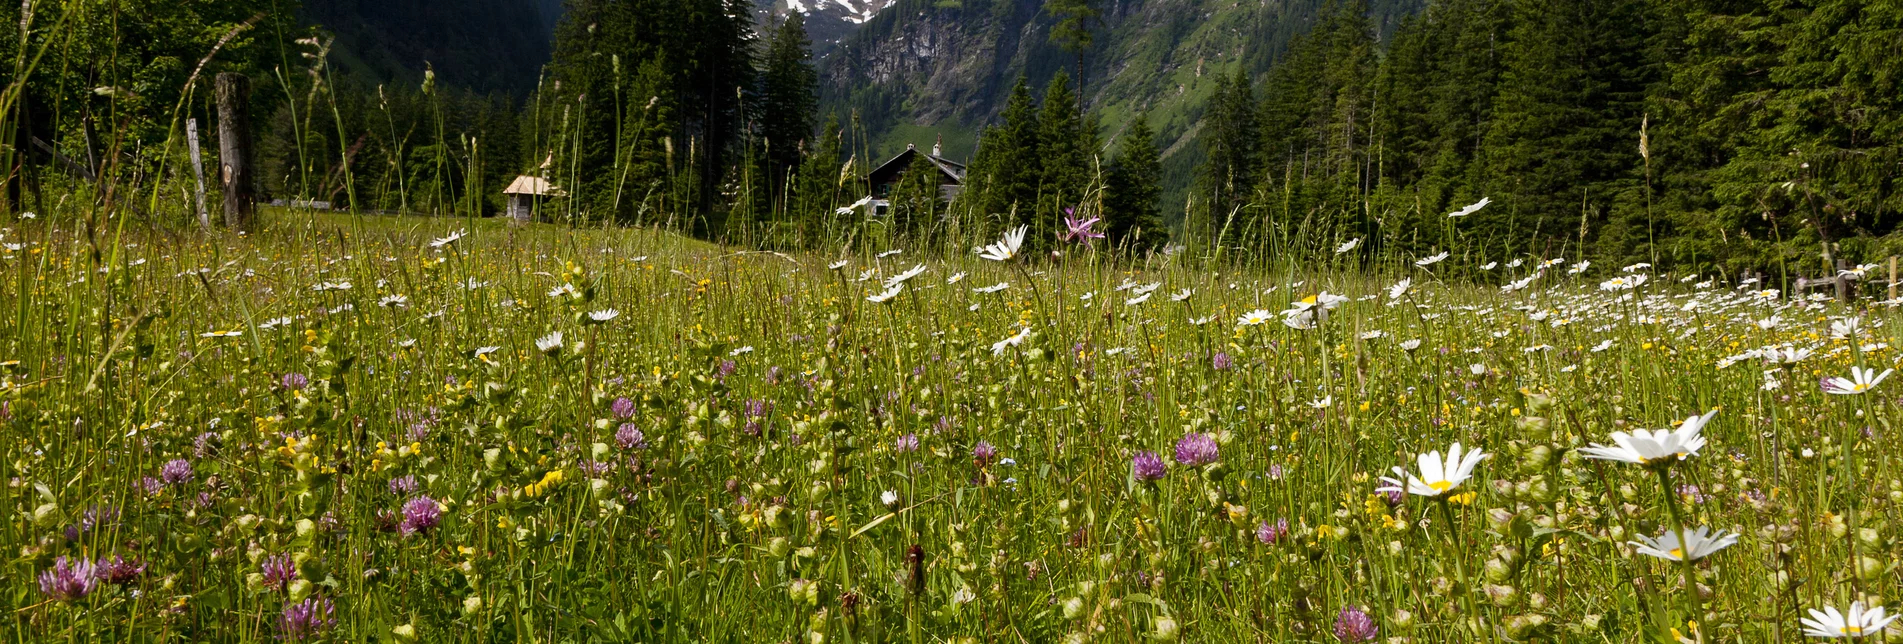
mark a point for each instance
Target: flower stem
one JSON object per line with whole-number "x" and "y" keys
{"x": 1684, "y": 548}
{"x": 1460, "y": 562}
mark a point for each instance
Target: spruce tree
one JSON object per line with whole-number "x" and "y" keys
{"x": 1132, "y": 190}
{"x": 1013, "y": 165}
{"x": 789, "y": 101}
{"x": 1563, "y": 141}
{"x": 1067, "y": 158}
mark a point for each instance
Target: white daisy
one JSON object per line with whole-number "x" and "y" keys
{"x": 1471, "y": 208}
{"x": 887, "y": 296}
{"x": 550, "y": 344}
{"x": 1858, "y": 622}
{"x": 1006, "y": 248}
{"x": 901, "y": 278}
{"x": 1701, "y": 541}
{"x": 1656, "y": 446}
{"x": 1437, "y": 476}
{"x": 1015, "y": 340}
{"x": 1860, "y": 380}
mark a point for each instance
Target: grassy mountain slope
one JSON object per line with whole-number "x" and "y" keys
{"x": 929, "y": 67}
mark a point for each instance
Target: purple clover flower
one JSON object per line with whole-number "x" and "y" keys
{"x": 1221, "y": 361}
{"x": 404, "y": 485}
{"x": 630, "y": 437}
{"x": 205, "y": 445}
{"x": 983, "y": 452}
{"x": 294, "y": 381}
{"x": 177, "y": 471}
{"x": 279, "y": 571}
{"x": 307, "y": 619}
{"x": 1147, "y": 466}
{"x": 623, "y": 408}
{"x": 1353, "y": 625}
{"x": 906, "y": 443}
{"x": 1197, "y": 449}
{"x": 69, "y": 579}
{"x": 419, "y": 515}
{"x": 118, "y": 570}
{"x": 1269, "y": 534}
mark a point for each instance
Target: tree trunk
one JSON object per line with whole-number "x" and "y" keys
{"x": 198, "y": 173}
{"x": 235, "y": 151}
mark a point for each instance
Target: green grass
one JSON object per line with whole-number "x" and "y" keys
{"x": 774, "y": 400}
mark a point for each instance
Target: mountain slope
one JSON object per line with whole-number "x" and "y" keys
{"x": 828, "y": 22}
{"x": 928, "y": 68}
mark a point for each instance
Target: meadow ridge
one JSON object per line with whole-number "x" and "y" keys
{"x": 376, "y": 429}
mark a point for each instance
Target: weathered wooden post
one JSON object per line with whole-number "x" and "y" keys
{"x": 235, "y": 151}
{"x": 1843, "y": 281}
{"x": 1892, "y": 277}
{"x": 198, "y": 172}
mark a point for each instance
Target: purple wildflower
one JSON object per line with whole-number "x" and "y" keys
{"x": 68, "y": 580}
{"x": 278, "y": 570}
{"x": 623, "y": 408}
{"x": 1147, "y": 466}
{"x": 205, "y": 445}
{"x": 983, "y": 452}
{"x": 1080, "y": 231}
{"x": 1269, "y": 534}
{"x": 1275, "y": 472}
{"x": 1353, "y": 625}
{"x": 726, "y": 369}
{"x": 1221, "y": 361}
{"x": 119, "y": 570}
{"x": 629, "y": 437}
{"x": 151, "y": 485}
{"x": 1196, "y": 450}
{"x": 307, "y": 619}
{"x": 419, "y": 515}
{"x": 404, "y": 485}
{"x": 294, "y": 381}
{"x": 1394, "y": 496}
{"x": 906, "y": 443}
{"x": 177, "y": 471}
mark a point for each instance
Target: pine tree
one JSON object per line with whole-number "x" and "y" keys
{"x": 1231, "y": 140}
{"x": 1132, "y": 190}
{"x": 789, "y": 101}
{"x": 1011, "y": 166}
{"x": 817, "y": 192}
{"x": 1562, "y": 146}
{"x": 1066, "y": 160}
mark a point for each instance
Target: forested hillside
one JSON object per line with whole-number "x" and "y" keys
{"x": 1682, "y": 131}
{"x": 480, "y": 45}
{"x": 929, "y": 67}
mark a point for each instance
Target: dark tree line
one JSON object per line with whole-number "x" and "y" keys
{"x": 1731, "y": 133}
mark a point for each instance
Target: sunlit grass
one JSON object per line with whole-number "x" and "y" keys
{"x": 370, "y": 421}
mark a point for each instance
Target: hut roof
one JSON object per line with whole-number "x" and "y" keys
{"x": 537, "y": 186}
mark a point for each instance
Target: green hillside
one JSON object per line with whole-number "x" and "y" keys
{"x": 926, "y": 67}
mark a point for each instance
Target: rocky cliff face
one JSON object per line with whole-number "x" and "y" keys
{"x": 828, "y": 22}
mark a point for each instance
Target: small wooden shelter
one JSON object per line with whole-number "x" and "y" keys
{"x": 523, "y": 195}
{"x": 886, "y": 177}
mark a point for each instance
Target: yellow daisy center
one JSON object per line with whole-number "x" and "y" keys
{"x": 1851, "y": 629}
{"x": 1441, "y": 486}
{"x": 1678, "y": 553}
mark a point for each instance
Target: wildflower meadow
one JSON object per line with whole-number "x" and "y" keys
{"x": 444, "y": 431}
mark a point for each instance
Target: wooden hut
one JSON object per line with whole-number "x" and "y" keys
{"x": 525, "y": 193}
{"x": 885, "y": 178}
